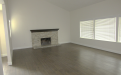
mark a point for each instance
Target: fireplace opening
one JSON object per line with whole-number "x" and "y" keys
{"x": 45, "y": 41}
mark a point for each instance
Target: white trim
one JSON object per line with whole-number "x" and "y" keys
{"x": 7, "y": 33}
{"x": 12, "y": 53}
{"x": 4, "y": 55}
{"x": 17, "y": 48}
{"x": 118, "y": 40}
{"x": 100, "y": 48}
{"x": 94, "y": 29}
{"x": 117, "y": 28}
{"x": 63, "y": 42}
{"x": 9, "y": 63}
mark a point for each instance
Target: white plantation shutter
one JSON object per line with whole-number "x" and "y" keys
{"x": 87, "y": 29}
{"x": 105, "y": 29}
{"x": 119, "y": 31}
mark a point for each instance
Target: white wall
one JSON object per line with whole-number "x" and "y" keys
{"x": 2, "y": 33}
{"x": 1, "y": 1}
{"x": 30, "y": 14}
{"x": 39, "y": 14}
{"x": 105, "y": 9}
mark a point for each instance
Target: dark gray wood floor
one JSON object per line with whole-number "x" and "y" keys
{"x": 66, "y": 59}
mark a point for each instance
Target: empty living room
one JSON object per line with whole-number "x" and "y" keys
{"x": 60, "y": 37}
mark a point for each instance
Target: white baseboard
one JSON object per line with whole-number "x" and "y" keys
{"x": 9, "y": 63}
{"x": 4, "y": 55}
{"x": 31, "y": 46}
{"x": 64, "y": 42}
{"x": 100, "y": 48}
{"x": 22, "y": 48}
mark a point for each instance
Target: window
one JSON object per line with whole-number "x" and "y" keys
{"x": 105, "y": 29}
{"x": 102, "y": 29}
{"x": 87, "y": 29}
{"x": 119, "y": 31}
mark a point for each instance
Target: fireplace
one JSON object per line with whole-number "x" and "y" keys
{"x": 46, "y": 41}
{"x": 43, "y": 38}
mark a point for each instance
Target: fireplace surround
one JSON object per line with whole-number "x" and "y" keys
{"x": 44, "y": 38}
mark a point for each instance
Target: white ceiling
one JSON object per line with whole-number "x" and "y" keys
{"x": 73, "y": 4}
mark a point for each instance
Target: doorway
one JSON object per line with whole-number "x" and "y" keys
{"x": 5, "y": 43}
{"x": 2, "y": 34}
{"x": 3, "y": 46}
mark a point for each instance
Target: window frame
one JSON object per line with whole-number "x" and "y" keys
{"x": 116, "y": 30}
{"x": 93, "y": 30}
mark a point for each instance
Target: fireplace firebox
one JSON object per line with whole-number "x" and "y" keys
{"x": 46, "y": 41}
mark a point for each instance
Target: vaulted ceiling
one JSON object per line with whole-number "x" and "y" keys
{"x": 73, "y": 4}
